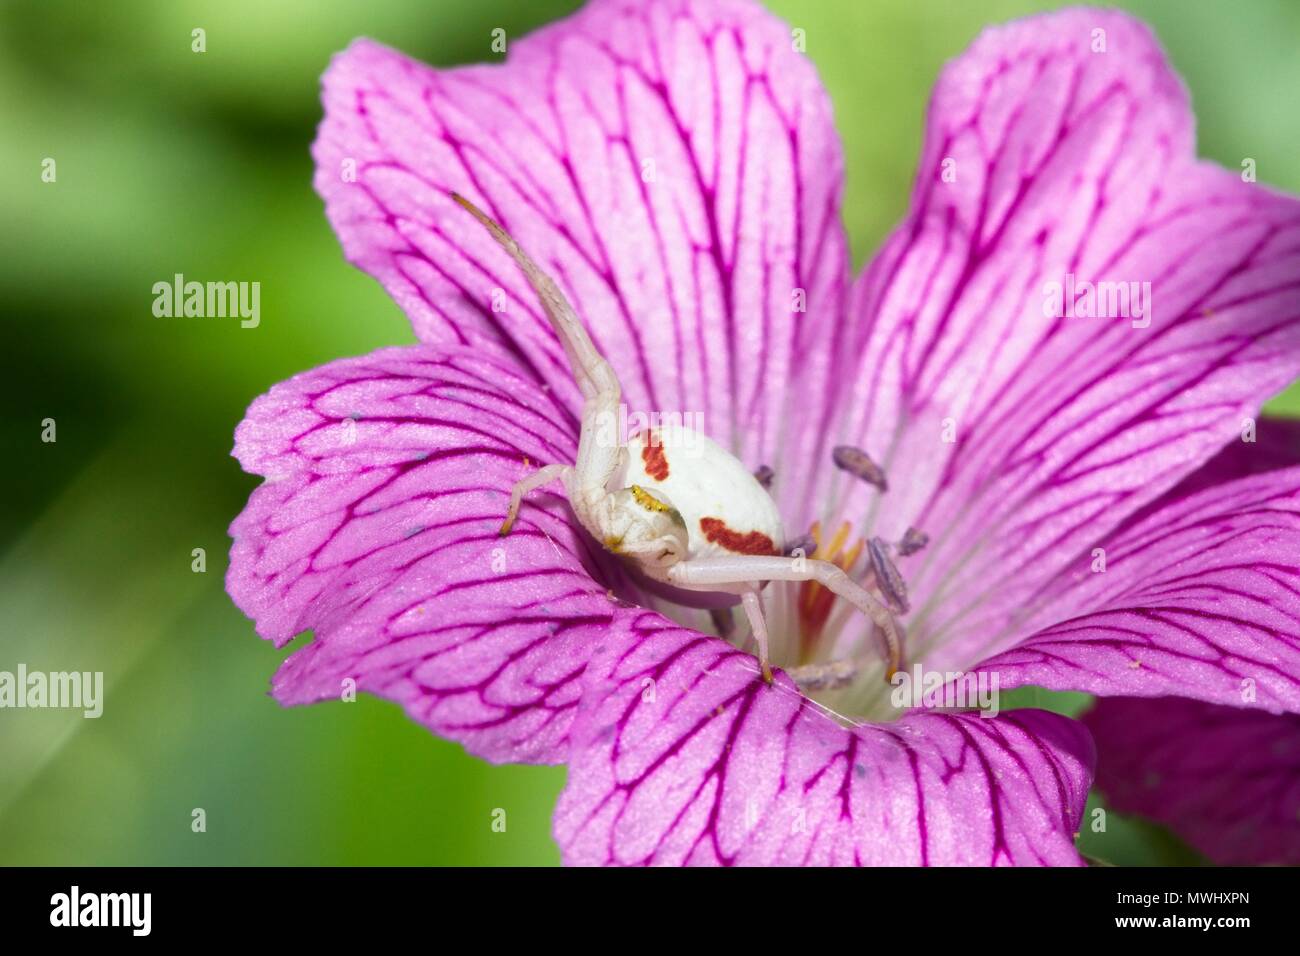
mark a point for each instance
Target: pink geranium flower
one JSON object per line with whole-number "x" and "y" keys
{"x": 1095, "y": 520}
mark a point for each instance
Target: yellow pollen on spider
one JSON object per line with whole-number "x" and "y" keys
{"x": 647, "y": 500}
{"x": 650, "y": 503}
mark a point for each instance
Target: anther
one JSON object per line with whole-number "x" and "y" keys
{"x": 831, "y": 675}
{"x": 891, "y": 583}
{"x": 806, "y": 544}
{"x": 764, "y": 476}
{"x": 913, "y": 541}
{"x": 859, "y": 464}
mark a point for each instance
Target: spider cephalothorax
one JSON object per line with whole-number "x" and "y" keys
{"x": 699, "y": 520}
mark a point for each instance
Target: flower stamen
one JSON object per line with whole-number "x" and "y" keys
{"x": 891, "y": 584}
{"x": 912, "y": 542}
{"x": 859, "y": 464}
{"x": 804, "y": 544}
{"x": 831, "y": 675}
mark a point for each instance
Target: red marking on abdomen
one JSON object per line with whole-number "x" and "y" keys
{"x": 751, "y": 542}
{"x": 656, "y": 463}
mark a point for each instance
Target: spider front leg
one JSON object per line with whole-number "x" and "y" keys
{"x": 541, "y": 476}
{"x": 594, "y": 375}
{"x": 701, "y": 574}
{"x": 598, "y": 458}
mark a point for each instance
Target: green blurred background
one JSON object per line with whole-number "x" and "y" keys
{"x": 170, "y": 161}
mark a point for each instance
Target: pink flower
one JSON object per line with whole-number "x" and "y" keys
{"x": 674, "y": 166}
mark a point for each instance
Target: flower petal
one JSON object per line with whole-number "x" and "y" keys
{"x": 1274, "y": 445}
{"x": 1226, "y": 779}
{"x": 1200, "y": 598}
{"x": 684, "y": 755}
{"x": 674, "y": 165}
{"x": 387, "y": 480}
{"x": 1018, "y": 440}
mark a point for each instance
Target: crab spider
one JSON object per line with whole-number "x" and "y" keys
{"x": 700, "y": 523}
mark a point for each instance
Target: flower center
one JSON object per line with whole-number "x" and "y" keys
{"x": 831, "y": 651}
{"x": 815, "y": 602}
{"x": 829, "y": 647}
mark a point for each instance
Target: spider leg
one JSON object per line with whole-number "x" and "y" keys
{"x": 538, "y": 478}
{"x": 599, "y": 445}
{"x": 758, "y": 626}
{"x": 594, "y": 375}
{"x": 703, "y": 574}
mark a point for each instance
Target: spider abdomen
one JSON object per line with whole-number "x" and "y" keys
{"x": 725, "y": 509}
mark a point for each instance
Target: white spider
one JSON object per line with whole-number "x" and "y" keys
{"x": 702, "y": 524}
